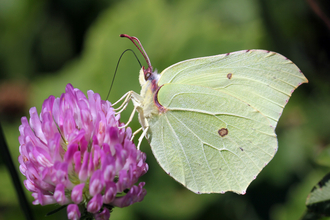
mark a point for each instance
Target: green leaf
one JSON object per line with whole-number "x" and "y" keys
{"x": 318, "y": 201}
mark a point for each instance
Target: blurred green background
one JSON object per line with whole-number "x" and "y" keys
{"x": 45, "y": 44}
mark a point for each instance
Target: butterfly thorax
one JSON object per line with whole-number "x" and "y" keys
{"x": 149, "y": 92}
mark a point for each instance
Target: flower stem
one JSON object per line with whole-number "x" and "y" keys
{"x": 4, "y": 151}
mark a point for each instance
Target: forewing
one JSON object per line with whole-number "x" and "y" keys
{"x": 265, "y": 80}
{"x": 191, "y": 144}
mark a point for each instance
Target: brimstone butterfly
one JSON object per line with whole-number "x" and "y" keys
{"x": 211, "y": 121}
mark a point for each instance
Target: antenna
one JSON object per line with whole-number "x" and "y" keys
{"x": 148, "y": 71}
{"x": 114, "y": 75}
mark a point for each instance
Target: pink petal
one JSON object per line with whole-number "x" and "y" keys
{"x": 104, "y": 215}
{"x": 73, "y": 212}
{"x": 77, "y": 192}
{"x": 95, "y": 204}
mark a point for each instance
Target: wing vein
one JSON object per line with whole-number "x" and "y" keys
{"x": 208, "y": 165}
{"x": 182, "y": 150}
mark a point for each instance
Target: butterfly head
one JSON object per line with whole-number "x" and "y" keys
{"x": 153, "y": 77}
{"x": 146, "y": 74}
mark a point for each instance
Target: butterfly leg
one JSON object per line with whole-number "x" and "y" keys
{"x": 121, "y": 108}
{"x": 127, "y": 97}
{"x": 135, "y": 132}
{"x": 124, "y": 96}
{"x": 130, "y": 118}
{"x": 141, "y": 137}
{"x": 137, "y": 102}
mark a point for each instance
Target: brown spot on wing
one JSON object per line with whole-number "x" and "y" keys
{"x": 223, "y": 132}
{"x": 229, "y": 75}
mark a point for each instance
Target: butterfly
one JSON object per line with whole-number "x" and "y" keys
{"x": 211, "y": 121}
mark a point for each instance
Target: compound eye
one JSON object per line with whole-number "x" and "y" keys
{"x": 147, "y": 76}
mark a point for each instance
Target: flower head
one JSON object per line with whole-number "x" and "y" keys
{"x": 76, "y": 153}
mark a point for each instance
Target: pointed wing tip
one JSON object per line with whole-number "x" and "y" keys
{"x": 303, "y": 78}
